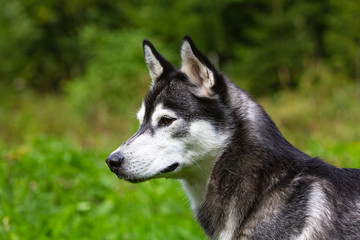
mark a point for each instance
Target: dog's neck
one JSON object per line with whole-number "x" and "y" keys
{"x": 195, "y": 182}
{"x": 239, "y": 169}
{"x": 195, "y": 189}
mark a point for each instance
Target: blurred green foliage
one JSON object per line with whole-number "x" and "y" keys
{"x": 116, "y": 71}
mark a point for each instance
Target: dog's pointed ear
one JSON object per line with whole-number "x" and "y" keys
{"x": 198, "y": 68}
{"x": 155, "y": 62}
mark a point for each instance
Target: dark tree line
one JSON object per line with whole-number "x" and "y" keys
{"x": 46, "y": 44}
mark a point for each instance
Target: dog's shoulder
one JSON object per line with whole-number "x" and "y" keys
{"x": 343, "y": 181}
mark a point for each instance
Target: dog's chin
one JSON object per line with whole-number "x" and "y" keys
{"x": 137, "y": 180}
{"x": 134, "y": 179}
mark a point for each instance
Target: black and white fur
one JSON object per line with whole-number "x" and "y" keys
{"x": 243, "y": 179}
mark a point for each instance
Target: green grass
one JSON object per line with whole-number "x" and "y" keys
{"x": 53, "y": 190}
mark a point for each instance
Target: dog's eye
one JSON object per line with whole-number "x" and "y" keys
{"x": 165, "y": 121}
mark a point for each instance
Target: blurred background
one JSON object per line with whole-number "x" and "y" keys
{"x": 72, "y": 77}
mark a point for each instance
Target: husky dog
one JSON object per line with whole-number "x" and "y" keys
{"x": 243, "y": 179}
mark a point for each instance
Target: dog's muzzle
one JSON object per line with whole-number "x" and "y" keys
{"x": 114, "y": 161}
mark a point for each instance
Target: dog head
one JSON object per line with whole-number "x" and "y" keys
{"x": 183, "y": 120}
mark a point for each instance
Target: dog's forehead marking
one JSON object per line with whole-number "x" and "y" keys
{"x": 141, "y": 113}
{"x": 151, "y": 101}
{"x": 159, "y": 112}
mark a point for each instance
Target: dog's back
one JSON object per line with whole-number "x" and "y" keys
{"x": 244, "y": 180}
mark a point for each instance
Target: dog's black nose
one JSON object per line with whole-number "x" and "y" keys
{"x": 114, "y": 160}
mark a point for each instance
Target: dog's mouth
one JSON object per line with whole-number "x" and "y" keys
{"x": 170, "y": 168}
{"x": 133, "y": 179}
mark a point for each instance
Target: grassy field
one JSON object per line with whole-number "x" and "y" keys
{"x": 53, "y": 190}
{"x": 54, "y": 183}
